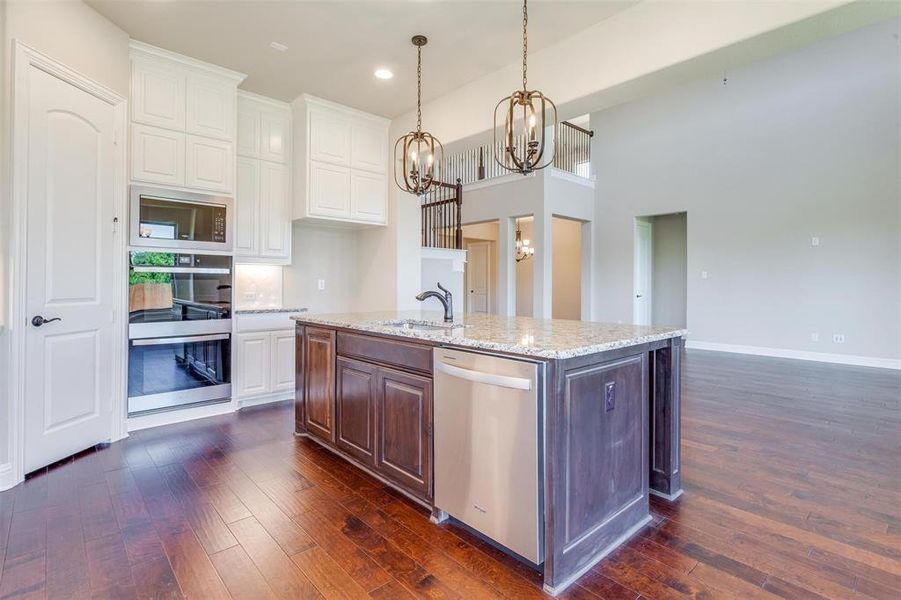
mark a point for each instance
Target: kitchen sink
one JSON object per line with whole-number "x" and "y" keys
{"x": 415, "y": 325}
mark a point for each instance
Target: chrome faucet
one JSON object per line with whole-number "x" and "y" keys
{"x": 447, "y": 300}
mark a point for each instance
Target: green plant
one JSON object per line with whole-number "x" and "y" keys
{"x": 152, "y": 259}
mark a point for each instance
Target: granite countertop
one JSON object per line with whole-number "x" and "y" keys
{"x": 263, "y": 311}
{"x": 543, "y": 338}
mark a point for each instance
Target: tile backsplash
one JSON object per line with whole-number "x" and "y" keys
{"x": 258, "y": 286}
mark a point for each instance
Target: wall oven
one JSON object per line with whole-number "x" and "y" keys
{"x": 179, "y": 313}
{"x": 180, "y": 220}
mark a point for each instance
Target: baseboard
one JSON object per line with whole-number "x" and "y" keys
{"x": 826, "y": 357}
{"x": 179, "y": 416}
{"x": 258, "y": 401}
{"x": 7, "y": 477}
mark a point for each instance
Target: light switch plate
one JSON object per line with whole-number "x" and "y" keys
{"x": 320, "y": 284}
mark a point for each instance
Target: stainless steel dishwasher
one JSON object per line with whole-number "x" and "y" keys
{"x": 488, "y": 447}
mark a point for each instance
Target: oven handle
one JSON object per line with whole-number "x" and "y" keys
{"x": 200, "y": 270}
{"x": 180, "y": 340}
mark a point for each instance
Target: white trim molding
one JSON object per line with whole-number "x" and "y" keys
{"x": 458, "y": 257}
{"x": 7, "y": 477}
{"x": 825, "y": 357}
{"x": 24, "y": 58}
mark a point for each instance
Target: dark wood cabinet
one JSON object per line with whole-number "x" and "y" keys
{"x": 319, "y": 382}
{"x": 404, "y": 430}
{"x": 356, "y": 408}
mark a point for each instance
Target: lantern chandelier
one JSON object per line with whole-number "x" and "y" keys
{"x": 523, "y": 248}
{"x": 418, "y": 155}
{"x": 525, "y": 120}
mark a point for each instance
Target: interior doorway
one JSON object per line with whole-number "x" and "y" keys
{"x": 661, "y": 270}
{"x": 480, "y": 272}
{"x": 566, "y": 261}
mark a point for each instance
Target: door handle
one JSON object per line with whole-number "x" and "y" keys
{"x": 39, "y": 320}
{"x": 638, "y": 295}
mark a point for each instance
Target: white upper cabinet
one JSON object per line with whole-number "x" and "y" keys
{"x": 264, "y": 128}
{"x": 247, "y": 208}
{"x": 157, "y": 95}
{"x": 330, "y": 136}
{"x": 210, "y": 107}
{"x": 183, "y": 115}
{"x": 210, "y": 164}
{"x": 340, "y": 163}
{"x": 368, "y": 150}
{"x": 263, "y": 193}
{"x": 157, "y": 155}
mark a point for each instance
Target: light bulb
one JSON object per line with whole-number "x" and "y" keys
{"x": 525, "y": 242}
{"x": 413, "y": 155}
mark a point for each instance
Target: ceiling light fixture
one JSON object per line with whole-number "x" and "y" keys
{"x": 523, "y": 249}
{"x": 418, "y": 155}
{"x": 383, "y": 73}
{"x": 525, "y": 120}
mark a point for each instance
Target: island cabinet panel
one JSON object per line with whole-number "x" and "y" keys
{"x": 665, "y": 421}
{"x": 319, "y": 382}
{"x": 403, "y": 355}
{"x": 404, "y": 430}
{"x": 356, "y": 404}
{"x": 598, "y": 453}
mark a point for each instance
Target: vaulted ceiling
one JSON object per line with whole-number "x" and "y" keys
{"x": 334, "y": 47}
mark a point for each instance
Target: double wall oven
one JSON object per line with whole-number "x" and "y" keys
{"x": 179, "y": 301}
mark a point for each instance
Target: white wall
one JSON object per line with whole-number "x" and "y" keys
{"x": 525, "y": 274}
{"x": 669, "y": 284}
{"x": 567, "y": 269}
{"x": 74, "y": 34}
{"x": 806, "y": 144}
{"x": 329, "y": 253}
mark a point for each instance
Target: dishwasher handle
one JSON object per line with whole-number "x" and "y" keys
{"x": 516, "y": 383}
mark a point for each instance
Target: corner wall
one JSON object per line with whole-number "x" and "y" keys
{"x": 806, "y": 144}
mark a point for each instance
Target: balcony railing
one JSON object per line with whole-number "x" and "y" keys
{"x": 441, "y": 216}
{"x": 573, "y": 154}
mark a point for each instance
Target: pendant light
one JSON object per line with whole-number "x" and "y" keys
{"x": 525, "y": 120}
{"x": 523, "y": 249}
{"x": 418, "y": 156}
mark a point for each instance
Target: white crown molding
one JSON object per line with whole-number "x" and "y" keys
{"x": 322, "y": 102}
{"x": 571, "y": 177}
{"x": 503, "y": 179}
{"x": 825, "y": 357}
{"x": 264, "y": 100}
{"x": 140, "y": 49}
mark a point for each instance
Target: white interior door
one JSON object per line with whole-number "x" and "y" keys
{"x": 70, "y": 203}
{"x": 641, "y": 313}
{"x": 478, "y": 277}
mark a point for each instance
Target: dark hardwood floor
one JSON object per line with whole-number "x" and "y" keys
{"x": 792, "y": 475}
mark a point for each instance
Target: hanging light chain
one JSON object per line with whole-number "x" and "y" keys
{"x": 525, "y": 42}
{"x": 418, "y": 88}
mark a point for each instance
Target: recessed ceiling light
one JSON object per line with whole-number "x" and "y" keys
{"x": 383, "y": 73}
{"x": 277, "y": 46}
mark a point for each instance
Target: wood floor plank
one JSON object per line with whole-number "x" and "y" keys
{"x": 282, "y": 575}
{"x": 192, "y": 567}
{"x": 242, "y": 578}
{"x": 329, "y": 578}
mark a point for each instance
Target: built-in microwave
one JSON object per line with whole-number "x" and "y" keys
{"x": 180, "y": 220}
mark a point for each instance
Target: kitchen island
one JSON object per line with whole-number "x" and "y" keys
{"x": 608, "y": 414}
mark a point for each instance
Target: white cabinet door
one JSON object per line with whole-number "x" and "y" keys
{"x": 253, "y": 363}
{"x": 248, "y": 130}
{"x": 282, "y": 361}
{"x": 329, "y": 136}
{"x": 210, "y": 107}
{"x": 157, "y": 155}
{"x": 275, "y": 211}
{"x": 158, "y": 95}
{"x": 369, "y": 196}
{"x": 329, "y": 190}
{"x": 275, "y": 136}
{"x": 209, "y": 164}
{"x": 247, "y": 207}
{"x": 369, "y": 147}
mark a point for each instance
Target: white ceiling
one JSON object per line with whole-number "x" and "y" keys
{"x": 334, "y": 47}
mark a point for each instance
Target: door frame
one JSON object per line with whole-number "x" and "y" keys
{"x": 489, "y": 244}
{"x": 25, "y": 58}
{"x": 647, "y": 268}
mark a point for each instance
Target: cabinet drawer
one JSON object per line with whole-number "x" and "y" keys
{"x": 404, "y": 355}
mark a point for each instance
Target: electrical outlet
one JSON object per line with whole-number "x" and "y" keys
{"x": 838, "y": 338}
{"x": 610, "y": 395}
{"x": 703, "y": 274}
{"x": 814, "y": 337}
{"x": 814, "y": 241}
{"x": 250, "y": 296}
{"x": 320, "y": 284}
